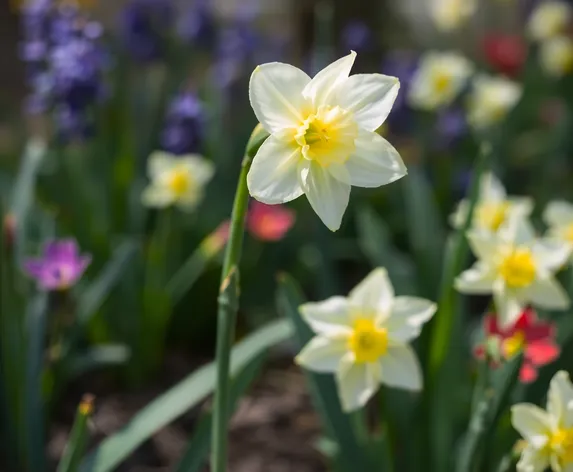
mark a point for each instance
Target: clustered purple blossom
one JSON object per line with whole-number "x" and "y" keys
{"x": 198, "y": 26}
{"x": 65, "y": 64}
{"x": 183, "y": 127}
{"x": 60, "y": 266}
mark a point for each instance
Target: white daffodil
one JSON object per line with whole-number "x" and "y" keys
{"x": 364, "y": 339}
{"x": 517, "y": 268}
{"x": 449, "y": 15}
{"x": 493, "y": 206}
{"x": 556, "y": 56}
{"x": 548, "y": 433}
{"x": 549, "y": 19}
{"x": 439, "y": 79}
{"x": 176, "y": 180}
{"x": 558, "y": 216}
{"x": 491, "y": 98}
{"x": 322, "y": 135}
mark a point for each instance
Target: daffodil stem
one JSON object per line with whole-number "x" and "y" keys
{"x": 226, "y": 320}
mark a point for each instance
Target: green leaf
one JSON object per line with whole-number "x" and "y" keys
{"x": 97, "y": 357}
{"x": 198, "y": 447}
{"x": 77, "y": 442}
{"x": 322, "y": 388}
{"x": 176, "y": 401}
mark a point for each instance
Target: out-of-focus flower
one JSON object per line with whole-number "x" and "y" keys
{"x": 548, "y": 433}
{"x": 356, "y": 36}
{"x": 9, "y": 229}
{"x": 176, "y": 180}
{"x": 269, "y": 222}
{"x": 517, "y": 268}
{"x": 556, "y": 56}
{"x": 183, "y": 128}
{"x": 198, "y": 27}
{"x": 440, "y": 78}
{"x": 493, "y": 207}
{"x": 490, "y": 100}
{"x": 449, "y": 15}
{"x": 549, "y": 19}
{"x": 451, "y": 126}
{"x": 145, "y": 26}
{"x": 558, "y": 215}
{"x": 322, "y": 135}
{"x": 528, "y": 335}
{"x": 364, "y": 339}
{"x": 60, "y": 266}
{"x": 506, "y": 53}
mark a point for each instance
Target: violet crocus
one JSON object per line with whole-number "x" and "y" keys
{"x": 59, "y": 267}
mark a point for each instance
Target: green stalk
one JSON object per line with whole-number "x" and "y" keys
{"x": 227, "y": 311}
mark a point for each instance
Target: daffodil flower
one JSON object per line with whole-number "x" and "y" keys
{"x": 558, "y": 216}
{"x": 548, "y": 433}
{"x": 322, "y": 135}
{"x": 556, "y": 56}
{"x": 490, "y": 99}
{"x": 176, "y": 180}
{"x": 449, "y": 15}
{"x": 364, "y": 339}
{"x": 549, "y": 19}
{"x": 493, "y": 207}
{"x": 517, "y": 268}
{"x": 439, "y": 79}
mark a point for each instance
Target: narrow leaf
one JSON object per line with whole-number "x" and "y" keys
{"x": 76, "y": 445}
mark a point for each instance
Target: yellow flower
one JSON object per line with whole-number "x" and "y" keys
{"x": 556, "y": 56}
{"x": 322, "y": 135}
{"x": 549, "y": 19}
{"x": 449, "y": 15}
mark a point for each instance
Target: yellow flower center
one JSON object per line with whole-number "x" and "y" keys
{"x": 179, "y": 182}
{"x": 561, "y": 444}
{"x": 442, "y": 81}
{"x": 367, "y": 341}
{"x": 518, "y": 268}
{"x": 514, "y": 344}
{"x": 492, "y": 215}
{"x": 568, "y": 233}
{"x": 327, "y": 136}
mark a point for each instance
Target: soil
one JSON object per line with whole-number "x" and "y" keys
{"x": 274, "y": 428}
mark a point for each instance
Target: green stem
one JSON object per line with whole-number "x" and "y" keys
{"x": 226, "y": 321}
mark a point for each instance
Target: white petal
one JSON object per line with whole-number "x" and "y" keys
{"x": 375, "y": 292}
{"x": 547, "y": 293}
{"x": 483, "y": 245}
{"x": 190, "y": 200}
{"x": 521, "y": 205}
{"x": 560, "y": 399}
{"x": 356, "y": 383}
{"x": 200, "y": 169}
{"x": 324, "y": 85}
{"x": 369, "y": 97}
{"x": 327, "y": 196}
{"x": 327, "y": 317}
{"x": 507, "y": 304}
{"x": 532, "y": 423}
{"x": 273, "y": 177}
{"x": 551, "y": 254}
{"x": 407, "y": 316}
{"x": 275, "y": 92}
{"x": 477, "y": 280}
{"x": 157, "y": 196}
{"x": 322, "y": 354}
{"x": 458, "y": 217}
{"x": 533, "y": 460}
{"x": 400, "y": 368}
{"x": 518, "y": 229}
{"x": 158, "y": 163}
{"x": 375, "y": 161}
{"x": 558, "y": 213}
{"x": 491, "y": 188}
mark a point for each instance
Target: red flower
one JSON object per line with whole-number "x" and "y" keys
{"x": 505, "y": 53}
{"x": 269, "y": 222}
{"x": 536, "y": 339}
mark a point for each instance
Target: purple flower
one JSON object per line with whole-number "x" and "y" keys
{"x": 183, "y": 129}
{"x": 60, "y": 266}
{"x": 198, "y": 26}
{"x": 451, "y": 126}
{"x": 356, "y": 36}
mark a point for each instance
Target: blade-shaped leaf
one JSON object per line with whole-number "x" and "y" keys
{"x": 78, "y": 437}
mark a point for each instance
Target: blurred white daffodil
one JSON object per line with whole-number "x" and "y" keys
{"x": 364, "y": 339}
{"x": 176, "y": 180}
{"x": 517, "y": 268}
{"x": 556, "y": 56}
{"x": 549, "y": 19}
{"x": 322, "y": 135}
{"x": 449, "y": 15}
{"x": 493, "y": 207}
{"x": 548, "y": 433}
{"x": 491, "y": 98}
{"x": 439, "y": 79}
{"x": 558, "y": 216}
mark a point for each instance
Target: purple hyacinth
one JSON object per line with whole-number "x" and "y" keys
{"x": 198, "y": 27}
{"x": 183, "y": 129}
{"x": 356, "y": 36}
{"x": 144, "y": 28}
{"x": 451, "y": 126}
{"x": 60, "y": 266}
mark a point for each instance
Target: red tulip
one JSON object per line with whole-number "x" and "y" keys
{"x": 269, "y": 222}
{"x": 505, "y": 53}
